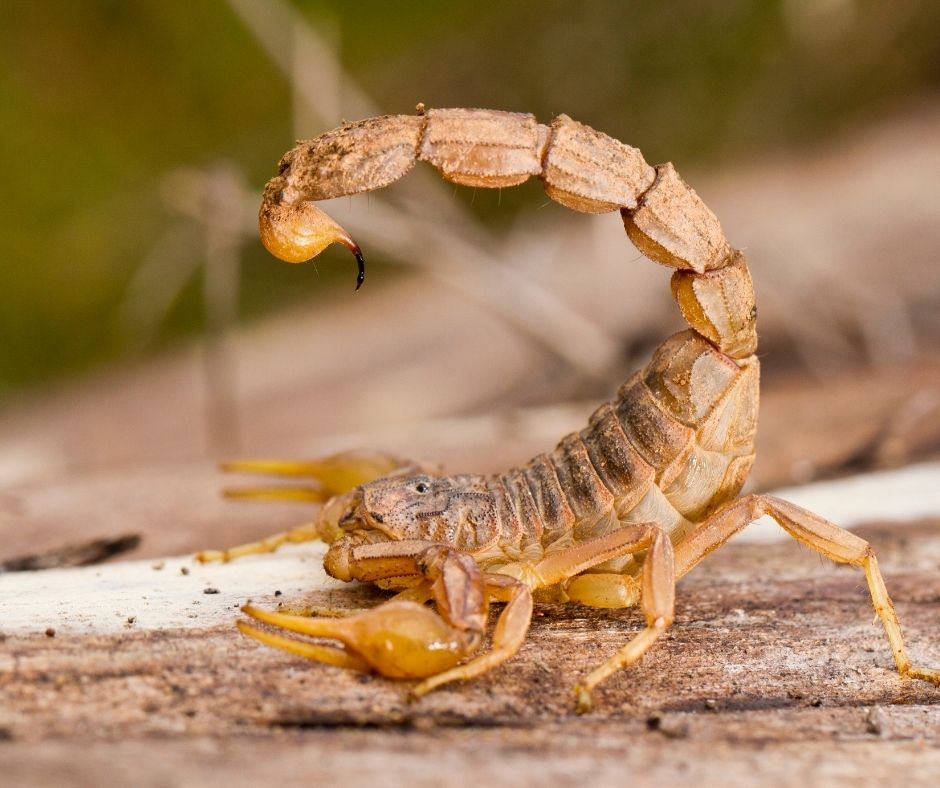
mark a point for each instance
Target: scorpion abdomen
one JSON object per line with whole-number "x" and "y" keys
{"x": 675, "y": 444}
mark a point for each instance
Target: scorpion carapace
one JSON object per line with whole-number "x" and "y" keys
{"x": 616, "y": 512}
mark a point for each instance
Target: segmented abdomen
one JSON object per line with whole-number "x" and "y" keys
{"x": 675, "y": 444}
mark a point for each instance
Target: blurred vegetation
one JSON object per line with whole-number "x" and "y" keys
{"x": 101, "y": 99}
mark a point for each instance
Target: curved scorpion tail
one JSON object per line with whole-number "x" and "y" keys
{"x": 581, "y": 168}
{"x": 711, "y": 284}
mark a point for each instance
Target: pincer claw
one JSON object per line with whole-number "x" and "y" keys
{"x": 399, "y": 639}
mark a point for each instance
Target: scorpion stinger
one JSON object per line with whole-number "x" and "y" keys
{"x": 298, "y": 231}
{"x": 361, "y": 275}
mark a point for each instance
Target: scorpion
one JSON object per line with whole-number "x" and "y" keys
{"x": 617, "y": 512}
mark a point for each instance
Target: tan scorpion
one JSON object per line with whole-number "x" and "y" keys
{"x": 617, "y": 512}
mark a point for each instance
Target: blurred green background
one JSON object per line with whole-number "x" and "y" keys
{"x": 105, "y": 105}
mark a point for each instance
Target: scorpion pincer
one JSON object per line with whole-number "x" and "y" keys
{"x": 617, "y": 512}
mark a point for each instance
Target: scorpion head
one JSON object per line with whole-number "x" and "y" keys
{"x": 458, "y": 511}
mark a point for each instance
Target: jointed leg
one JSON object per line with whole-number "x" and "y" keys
{"x": 515, "y": 619}
{"x": 815, "y": 532}
{"x": 403, "y": 639}
{"x": 657, "y": 600}
{"x": 302, "y": 533}
{"x": 657, "y": 589}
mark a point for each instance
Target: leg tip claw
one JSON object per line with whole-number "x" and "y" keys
{"x": 211, "y": 556}
{"x": 583, "y": 702}
{"x": 931, "y": 675}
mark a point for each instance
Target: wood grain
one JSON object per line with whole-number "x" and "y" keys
{"x": 773, "y": 673}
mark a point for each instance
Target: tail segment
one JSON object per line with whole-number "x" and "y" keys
{"x": 581, "y": 168}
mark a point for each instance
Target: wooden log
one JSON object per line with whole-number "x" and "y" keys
{"x": 774, "y": 672}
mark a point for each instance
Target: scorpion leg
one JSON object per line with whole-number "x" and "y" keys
{"x": 514, "y": 621}
{"x": 657, "y": 590}
{"x": 817, "y": 533}
{"x": 302, "y": 533}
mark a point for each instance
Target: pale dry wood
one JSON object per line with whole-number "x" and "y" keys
{"x": 743, "y": 691}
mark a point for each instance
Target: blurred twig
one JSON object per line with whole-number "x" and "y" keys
{"x": 157, "y": 281}
{"x": 456, "y": 251}
{"x": 470, "y": 269}
{"x": 223, "y": 238}
{"x": 214, "y": 199}
{"x": 305, "y": 59}
{"x": 80, "y": 554}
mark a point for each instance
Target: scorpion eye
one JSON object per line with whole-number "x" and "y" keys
{"x": 422, "y": 487}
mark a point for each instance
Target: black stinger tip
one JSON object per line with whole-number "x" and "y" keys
{"x": 361, "y": 275}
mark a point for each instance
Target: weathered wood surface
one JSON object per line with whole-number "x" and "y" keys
{"x": 773, "y": 674}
